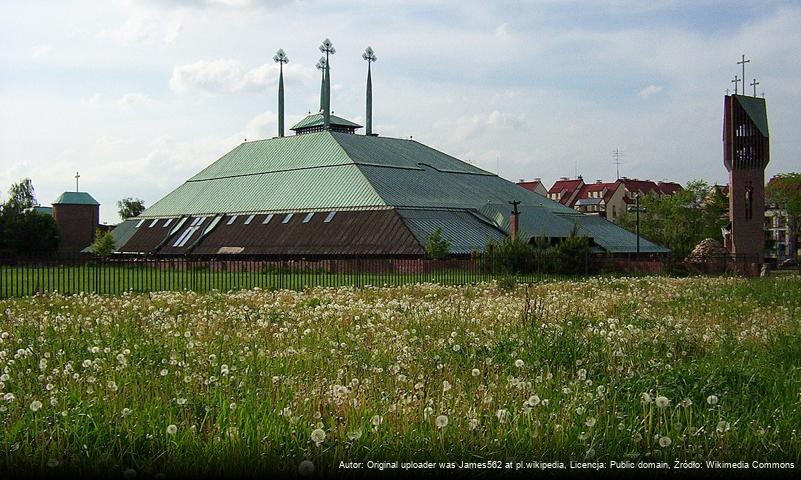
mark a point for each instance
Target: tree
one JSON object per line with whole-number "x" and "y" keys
{"x": 437, "y": 247}
{"x": 23, "y": 231}
{"x": 103, "y": 244}
{"x": 20, "y": 196}
{"x": 130, "y": 207}
{"x": 680, "y": 221}
{"x": 30, "y": 233}
{"x": 784, "y": 191}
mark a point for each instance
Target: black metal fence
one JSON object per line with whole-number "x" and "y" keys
{"x": 114, "y": 275}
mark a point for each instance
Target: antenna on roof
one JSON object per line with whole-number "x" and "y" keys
{"x": 617, "y": 153}
{"x": 280, "y": 58}
{"x": 77, "y": 176}
{"x": 328, "y": 48}
{"x": 369, "y": 55}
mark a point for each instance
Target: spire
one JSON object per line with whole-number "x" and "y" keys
{"x": 369, "y": 55}
{"x": 328, "y": 48}
{"x": 281, "y": 58}
{"x": 321, "y": 66}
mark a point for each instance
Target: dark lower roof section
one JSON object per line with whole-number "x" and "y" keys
{"x": 465, "y": 231}
{"x": 366, "y": 232}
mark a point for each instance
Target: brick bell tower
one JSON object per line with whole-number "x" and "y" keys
{"x": 746, "y": 154}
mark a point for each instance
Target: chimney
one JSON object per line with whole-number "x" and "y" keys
{"x": 513, "y": 219}
{"x": 538, "y": 179}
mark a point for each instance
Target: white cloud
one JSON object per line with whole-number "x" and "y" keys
{"x": 228, "y": 76}
{"x": 132, "y": 99}
{"x": 40, "y": 51}
{"x": 144, "y": 27}
{"x": 649, "y": 91}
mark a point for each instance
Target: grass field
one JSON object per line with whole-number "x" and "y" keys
{"x": 254, "y": 381}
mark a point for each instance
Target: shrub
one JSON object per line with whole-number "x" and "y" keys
{"x": 437, "y": 247}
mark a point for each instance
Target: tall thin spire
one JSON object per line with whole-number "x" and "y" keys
{"x": 369, "y": 55}
{"x": 328, "y": 48}
{"x": 280, "y": 58}
{"x": 321, "y": 66}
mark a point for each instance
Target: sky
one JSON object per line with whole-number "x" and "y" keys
{"x": 138, "y": 96}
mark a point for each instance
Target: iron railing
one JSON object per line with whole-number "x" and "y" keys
{"x": 114, "y": 275}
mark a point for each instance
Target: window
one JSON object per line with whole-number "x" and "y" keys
{"x": 231, "y": 220}
{"x": 308, "y": 217}
{"x": 249, "y": 219}
{"x": 212, "y": 224}
{"x": 153, "y": 223}
{"x": 329, "y": 217}
{"x": 288, "y": 217}
{"x": 140, "y": 223}
{"x": 184, "y": 237}
{"x": 267, "y": 219}
{"x": 178, "y": 225}
{"x": 167, "y": 222}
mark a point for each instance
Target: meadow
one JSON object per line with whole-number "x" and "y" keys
{"x": 246, "y": 382}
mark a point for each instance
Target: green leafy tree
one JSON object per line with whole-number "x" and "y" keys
{"x": 23, "y": 231}
{"x": 436, "y": 246}
{"x": 21, "y": 196}
{"x": 680, "y": 221}
{"x": 103, "y": 244}
{"x": 30, "y": 233}
{"x": 130, "y": 207}
{"x": 784, "y": 191}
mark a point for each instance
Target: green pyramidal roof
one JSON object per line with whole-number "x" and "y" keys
{"x": 75, "y": 198}
{"x": 316, "y": 119}
{"x": 329, "y": 170}
{"x": 757, "y": 110}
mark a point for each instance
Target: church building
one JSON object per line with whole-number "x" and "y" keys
{"x": 328, "y": 190}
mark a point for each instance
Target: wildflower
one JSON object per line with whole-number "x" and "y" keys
{"x": 172, "y": 429}
{"x": 712, "y": 399}
{"x": 533, "y": 401}
{"x": 376, "y": 420}
{"x": 686, "y": 403}
{"x": 590, "y": 422}
{"x": 36, "y": 405}
{"x": 502, "y": 415}
{"x": 519, "y": 363}
{"x": 126, "y": 411}
{"x": 662, "y": 401}
{"x": 446, "y": 385}
{"x": 645, "y": 397}
{"x": 318, "y": 436}
{"x": 665, "y": 441}
{"x": 164, "y": 372}
{"x": 306, "y": 468}
{"x": 723, "y": 426}
{"x": 473, "y": 423}
{"x": 441, "y": 421}
{"x": 476, "y": 372}
{"x": 354, "y": 435}
{"x": 180, "y": 401}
